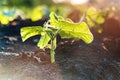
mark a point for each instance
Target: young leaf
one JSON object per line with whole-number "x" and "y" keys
{"x": 78, "y": 31}
{"x": 60, "y": 18}
{"x": 53, "y": 22}
{"x": 72, "y": 30}
{"x": 28, "y": 32}
{"x": 43, "y": 41}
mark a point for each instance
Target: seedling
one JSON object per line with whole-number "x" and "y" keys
{"x": 57, "y": 25}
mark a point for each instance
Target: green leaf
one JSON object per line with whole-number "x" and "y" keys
{"x": 28, "y": 32}
{"x": 53, "y": 22}
{"x": 71, "y": 30}
{"x": 60, "y": 18}
{"x": 43, "y": 41}
{"x": 77, "y": 31}
{"x": 69, "y": 20}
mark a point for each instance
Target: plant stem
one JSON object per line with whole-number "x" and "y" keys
{"x": 52, "y": 52}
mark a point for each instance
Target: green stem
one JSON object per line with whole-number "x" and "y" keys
{"x": 52, "y": 52}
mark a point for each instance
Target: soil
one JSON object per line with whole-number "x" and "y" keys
{"x": 21, "y": 62}
{"x": 75, "y": 60}
{"x": 17, "y": 68}
{"x": 79, "y": 61}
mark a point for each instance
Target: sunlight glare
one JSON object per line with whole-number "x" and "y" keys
{"x": 74, "y": 2}
{"x": 78, "y": 1}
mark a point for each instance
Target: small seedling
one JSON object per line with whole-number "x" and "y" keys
{"x": 57, "y": 25}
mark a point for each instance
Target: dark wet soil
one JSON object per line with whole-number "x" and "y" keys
{"x": 17, "y": 68}
{"x": 75, "y": 60}
{"x": 19, "y": 61}
{"x": 79, "y": 61}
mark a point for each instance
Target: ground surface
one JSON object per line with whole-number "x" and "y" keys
{"x": 75, "y": 60}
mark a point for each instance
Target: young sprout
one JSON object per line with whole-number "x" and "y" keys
{"x": 57, "y": 25}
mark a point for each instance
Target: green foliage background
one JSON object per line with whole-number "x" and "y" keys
{"x": 28, "y": 3}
